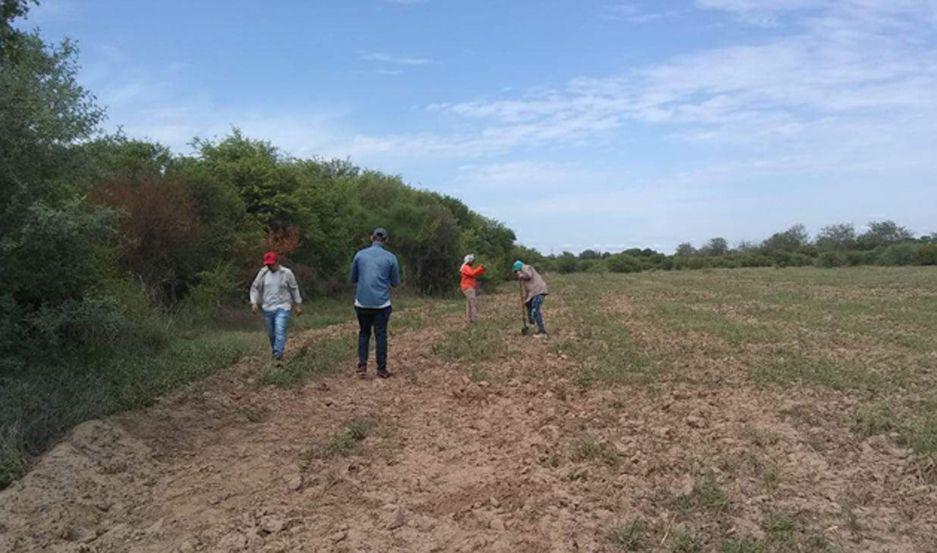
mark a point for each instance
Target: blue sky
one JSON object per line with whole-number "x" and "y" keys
{"x": 602, "y": 124}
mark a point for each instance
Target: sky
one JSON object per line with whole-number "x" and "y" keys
{"x": 579, "y": 124}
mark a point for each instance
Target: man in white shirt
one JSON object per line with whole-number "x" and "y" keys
{"x": 276, "y": 292}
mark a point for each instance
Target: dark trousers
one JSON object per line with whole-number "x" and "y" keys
{"x": 376, "y": 319}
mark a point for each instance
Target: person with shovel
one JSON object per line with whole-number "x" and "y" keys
{"x": 470, "y": 276}
{"x": 533, "y": 291}
{"x": 276, "y": 292}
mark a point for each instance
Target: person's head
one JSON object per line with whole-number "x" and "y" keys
{"x": 518, "y": 265}
{"x": 270, "y": 260}
{"x": 379, "y": 235}
{"x": 469, "y": 259}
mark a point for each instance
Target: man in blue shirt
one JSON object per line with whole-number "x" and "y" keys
{"x": 375, "y": 271}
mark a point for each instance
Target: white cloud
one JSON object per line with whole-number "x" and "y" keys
{"x": 383, "y": 57}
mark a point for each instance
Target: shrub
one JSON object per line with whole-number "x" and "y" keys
{"x": 623, "y": 263}
{"x": 831, "y": 259}
{"x": 926, "y": 255}
{"x": 896, "y": 254}
{"x": 567, "y": 263}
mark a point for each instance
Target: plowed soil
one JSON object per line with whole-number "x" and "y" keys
{"x": 519, "y": 459}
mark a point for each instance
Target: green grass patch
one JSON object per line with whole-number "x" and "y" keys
{"x": 786, "y": 369}
{"x": 343, "y": 443}
{"x": 587, "y": 448}
{"x": 682, "y": 541}
{"x": 477, "y": 342}
{"x": 630, "y": 537}
{"x": 707, "y": 495}
{"x": 320, "y": 358}
{"x": 39, "y": 405}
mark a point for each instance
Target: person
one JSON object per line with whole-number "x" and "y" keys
{"x": 470, "y": 276}
{"x": 276, "y": 292}
{"x": 374, "y": 271}
{"x": 535, "y": 290}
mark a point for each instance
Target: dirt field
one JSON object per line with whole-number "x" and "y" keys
{"x": 736, "y": 411}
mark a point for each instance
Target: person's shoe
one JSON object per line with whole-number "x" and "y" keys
{"x": 540, "y": 334}
{"x": 384, "y": 374}
{"x": 362, "y": 371}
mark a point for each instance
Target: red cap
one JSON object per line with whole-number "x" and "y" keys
{"x": 270, "y": 258}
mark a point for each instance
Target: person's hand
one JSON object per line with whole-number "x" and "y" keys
{"x": 254, "y": 308}
{"x": 299, "y": 310}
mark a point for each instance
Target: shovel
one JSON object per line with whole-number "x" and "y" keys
{"x": 526, "y": 329}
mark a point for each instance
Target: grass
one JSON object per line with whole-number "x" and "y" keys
{"x": 707, "y": 495}
{"x": 587, "y": 448}
{"x": 38, "y": 406}
{"x": 477, "y": 342}
{"x": 320, "y": 358}
{"x": 630, "y": 537}
{"x": 343, "y": 443}
{"x": 682, "y": 541}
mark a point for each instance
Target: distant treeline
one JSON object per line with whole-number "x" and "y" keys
{"x": 882, "y": 243}
{"x": 102, "y": 238}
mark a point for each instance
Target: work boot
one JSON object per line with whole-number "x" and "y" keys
{"x": 384, "y": 373}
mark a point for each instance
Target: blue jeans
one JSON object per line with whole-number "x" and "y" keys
{"x": 277, "y": 322}
{"x": 376, "y": 319}
{"x": 535, "y": 313}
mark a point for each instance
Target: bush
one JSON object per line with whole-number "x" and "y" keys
{"x": 831, "y": 259}
{"x": 896, "y": 254}
{"x": 926, "y": 255}
{"x": 567, "y": 263}
{"x": 623, "y": 263}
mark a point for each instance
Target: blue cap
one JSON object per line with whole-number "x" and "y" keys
{"x": 518, "y": 265}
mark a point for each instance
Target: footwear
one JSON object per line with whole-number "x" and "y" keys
{"x": 540, "y": 335}
{"x": 362, "y": 371}
{"x": 384, "y": 374}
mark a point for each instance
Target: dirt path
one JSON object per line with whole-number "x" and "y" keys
{"x": 522, "y": 462}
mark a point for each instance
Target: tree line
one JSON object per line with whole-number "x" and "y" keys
{"x": 838, "y": 245}
{"x": 105, "y": 236}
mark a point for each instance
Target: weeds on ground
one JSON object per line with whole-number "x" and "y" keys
{"x": 781, "y": 530}
{"x": 707, "y": 495}
{"x": 742, "y": 545}
{"x": 587, "y": 448}
{"x": 787, "y": 368}
{"x": 322, "y": 357}
{"x": 682, "y": 541}
{"x": 342, "y": 443}
{"x": 477, "y": 342}
{"x": 761, "y": 437}
{"x": 39, "y": 406}
{"x": 630, "y": 537}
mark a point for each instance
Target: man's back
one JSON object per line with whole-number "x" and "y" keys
{"x": 375, "y": 271}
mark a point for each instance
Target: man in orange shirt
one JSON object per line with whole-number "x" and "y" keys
{"x": 470, "y": 276}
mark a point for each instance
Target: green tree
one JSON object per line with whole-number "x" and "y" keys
{"x": 48, "y": 255}
{"x": 793, "y": 239}
{"x": 685, "y": 250}
{"x": 883, "y": 233}
{"x": 841, "y": 236}
{"x": 716, "y": 246}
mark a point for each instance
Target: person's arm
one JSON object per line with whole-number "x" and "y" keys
{"x": 394, "y": 273}
{"x": 293, "y": 287}
{"x": 479, "y": 271}
{"x": 524, "y": 274}
{"x": 353, "y": 275}
{"x": 256, "y": 287}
